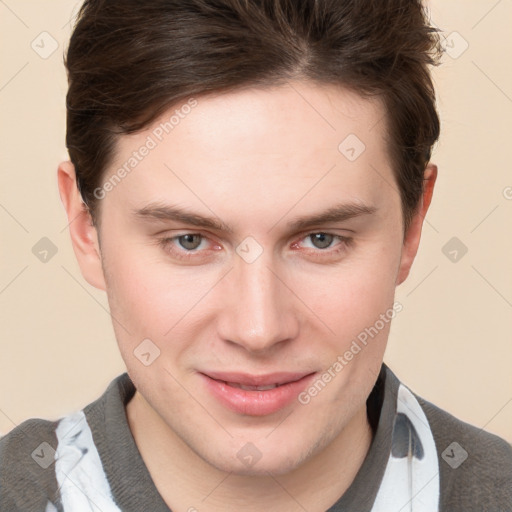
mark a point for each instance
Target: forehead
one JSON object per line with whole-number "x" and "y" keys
{"x": 266, "y": 119}
{"x": 261, "y": 144}
{"x": 289, "y": 120}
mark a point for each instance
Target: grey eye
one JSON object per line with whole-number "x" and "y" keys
{"x": 190, "y": 241}
{"x": 321, "y": 240}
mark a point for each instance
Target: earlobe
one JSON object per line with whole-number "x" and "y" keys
{"x": 413, "y": 235}
{"x": 84, "y": 235}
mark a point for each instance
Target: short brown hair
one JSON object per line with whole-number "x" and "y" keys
{"x": 128, "y": 61}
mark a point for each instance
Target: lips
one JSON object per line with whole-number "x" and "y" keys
{"x": 251, "y": 388}
{"x": 269, "y": 379}
{"x": 256, "y": 395}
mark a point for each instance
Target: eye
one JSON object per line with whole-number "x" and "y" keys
{"x": 188, "y": 246}
{"x": 321, "y": 240}
{"x": 324, "y": 246}
{"x": 190, "y": 241}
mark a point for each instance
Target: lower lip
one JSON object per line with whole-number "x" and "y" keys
{"x": 256, "y": 403}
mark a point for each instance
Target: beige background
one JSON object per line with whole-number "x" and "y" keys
{"x": 452, "y": 342}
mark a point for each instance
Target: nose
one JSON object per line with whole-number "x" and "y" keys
{"x": 260, "y": 312}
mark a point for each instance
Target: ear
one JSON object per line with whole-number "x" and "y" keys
{"x": 413, "y": 235}
{"x": 84, "y": 235}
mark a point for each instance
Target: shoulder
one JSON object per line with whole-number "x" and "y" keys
{"x": 475, "y": 466}
{"x": 27, "y": 478}
{"x": 37, "y": 456}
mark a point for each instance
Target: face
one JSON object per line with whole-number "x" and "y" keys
{"x": 254, "y": 242}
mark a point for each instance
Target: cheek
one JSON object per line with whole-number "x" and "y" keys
{"x": 143, "y": 290}
{"x": 357, "y": 306}
{"x": 353, "y": 295}
{"x": 140, "y": 299}
{"x": 150, "y": 299}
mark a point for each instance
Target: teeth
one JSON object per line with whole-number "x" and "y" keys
{"x": 251, "y": 388}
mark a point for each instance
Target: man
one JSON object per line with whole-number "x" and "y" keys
{"x": 248, "y": 182}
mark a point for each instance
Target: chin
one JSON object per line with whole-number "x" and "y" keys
{"x": 247, "y": 460}
{"x": 276, "y": 466}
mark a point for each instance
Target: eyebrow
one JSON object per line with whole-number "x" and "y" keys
{"x": 338, "y": 213}
{"x": 157, "y": 211}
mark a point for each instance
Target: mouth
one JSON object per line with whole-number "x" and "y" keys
{"x": 256, "y": 395}
{"x": 256, "y": 382}
{"x": 250, "y": 388}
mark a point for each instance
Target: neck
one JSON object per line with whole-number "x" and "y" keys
{"x": 187, "y": 482}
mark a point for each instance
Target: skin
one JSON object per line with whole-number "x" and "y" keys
{"x": 256, "y": 160}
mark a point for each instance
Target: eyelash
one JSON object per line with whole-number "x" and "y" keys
{"x": 345, "y": 242}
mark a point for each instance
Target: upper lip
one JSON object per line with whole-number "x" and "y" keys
{"x": 257, "y": 380}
